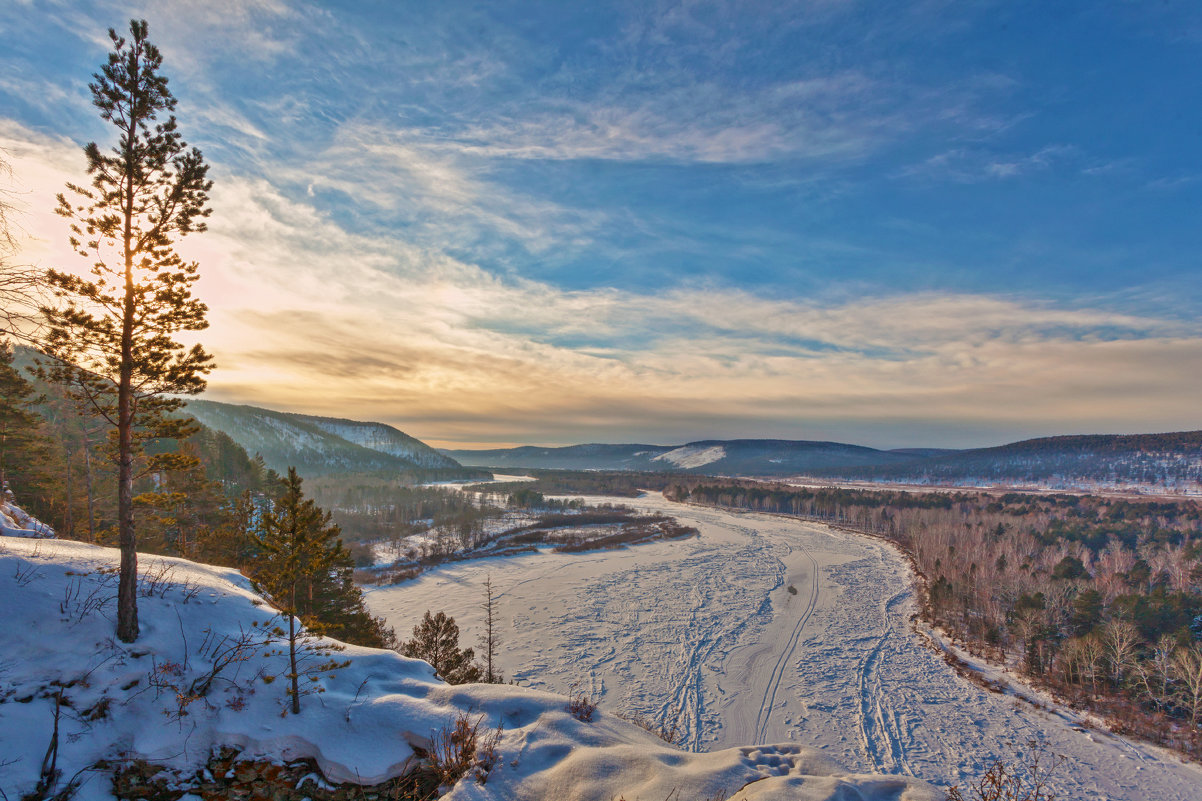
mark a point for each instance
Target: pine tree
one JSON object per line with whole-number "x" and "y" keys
{"x": 111, "y": 335}
{"x": 436, "y": 640}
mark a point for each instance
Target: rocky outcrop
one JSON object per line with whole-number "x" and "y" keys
{"x": 228, "y": 777}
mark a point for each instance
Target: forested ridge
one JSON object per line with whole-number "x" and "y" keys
{"x": 1170, "y": 461}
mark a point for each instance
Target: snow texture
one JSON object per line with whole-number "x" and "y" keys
{"x": 769, "y": 629}
{"x": 691, "y": 456}
{"x": 58, "y": 602}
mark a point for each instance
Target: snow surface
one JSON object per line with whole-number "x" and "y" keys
{"x": 704, "y": 633}
{"x": 385, "y": 439}
{"x": 690, "y": 456}
{"x": 58, "y": 637}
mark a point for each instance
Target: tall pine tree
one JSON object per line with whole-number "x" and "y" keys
{"x": 112, "y": 333}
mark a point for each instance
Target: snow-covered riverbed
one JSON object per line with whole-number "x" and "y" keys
{"x": 765, "y": 629}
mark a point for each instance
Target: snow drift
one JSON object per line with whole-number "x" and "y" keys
{"x": 363, "y": 723}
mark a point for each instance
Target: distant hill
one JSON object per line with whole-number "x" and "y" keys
{"x": 764, "y": 457}
{"x": 571, "y": 457}
{"x": 327, "y": 445}
{"x": 1147, "y": 461}
{"x": 1169, "y": 461}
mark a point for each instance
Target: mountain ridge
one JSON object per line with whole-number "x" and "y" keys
{"x": 1170, "y": 460}
{"x": 318, "y": 445}
{"x": 777, "y": 456}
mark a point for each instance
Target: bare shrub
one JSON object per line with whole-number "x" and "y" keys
{"x": 79, "y": 601}
{"x": 155, "y": 580}
{"x": 221, "y": 657}
{"x": 460, "y": 748}
{"x": 26, "y": 573}
{"x": 48, "y": 787}
{"x": 225, "y": 651}
{"x": 580, "y": 706}
{"x": 486, "y": 753}
{"x": 1023, "y": 779}
{"x": 669, "y": 734}
{"x": 170, "y": 678}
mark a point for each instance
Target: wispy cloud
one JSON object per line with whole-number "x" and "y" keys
{"x": 694, "y": 122}
{"x": 964, "y": 165}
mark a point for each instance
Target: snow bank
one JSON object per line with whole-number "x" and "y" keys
{"x": 119, "y": 700}
{"x": 14, "y": 522}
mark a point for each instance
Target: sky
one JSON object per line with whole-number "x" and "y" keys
{"x": 925, "y": 223}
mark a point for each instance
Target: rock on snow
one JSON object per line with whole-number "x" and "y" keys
{"x": 14, "y": 522}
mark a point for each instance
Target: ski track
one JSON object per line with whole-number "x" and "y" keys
{"x": 702, "y": 634}
{"x": 765, "y": 714}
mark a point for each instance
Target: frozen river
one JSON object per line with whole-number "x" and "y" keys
{"x": 766, "y": 630}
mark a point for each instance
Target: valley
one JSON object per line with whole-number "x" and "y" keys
{"x": 768, "y": 630}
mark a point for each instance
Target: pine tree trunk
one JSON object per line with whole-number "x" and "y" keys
{"x": 127, "y": 599}
{"x": 70, "y": 512}
{"x": 292, "y": 662}
{"x": 87, "y": 461}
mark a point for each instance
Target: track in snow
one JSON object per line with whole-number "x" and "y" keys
{"x": 765, "y": 714}
{"x": 701, "y": 633}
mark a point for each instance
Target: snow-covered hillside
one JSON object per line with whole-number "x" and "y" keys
{"x": 748, "y": 457}
{"x": 385, "y": 439}
{"x": 768, "y": 629}
{"x": 324, "y": 445}
{"x": 363, "y": 722}
{"x": 690, "y": 456}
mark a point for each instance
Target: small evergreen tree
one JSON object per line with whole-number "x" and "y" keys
{"x": 436, "y": 640}
{"x": 299, "y": 546}
{"x": 111, "y": 335}
{"x": 303, "y": 567}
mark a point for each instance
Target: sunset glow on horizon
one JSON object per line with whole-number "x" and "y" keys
{"x": 928, "y": 226}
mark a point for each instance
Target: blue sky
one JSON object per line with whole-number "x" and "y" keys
{"x": 934, "y": 223}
